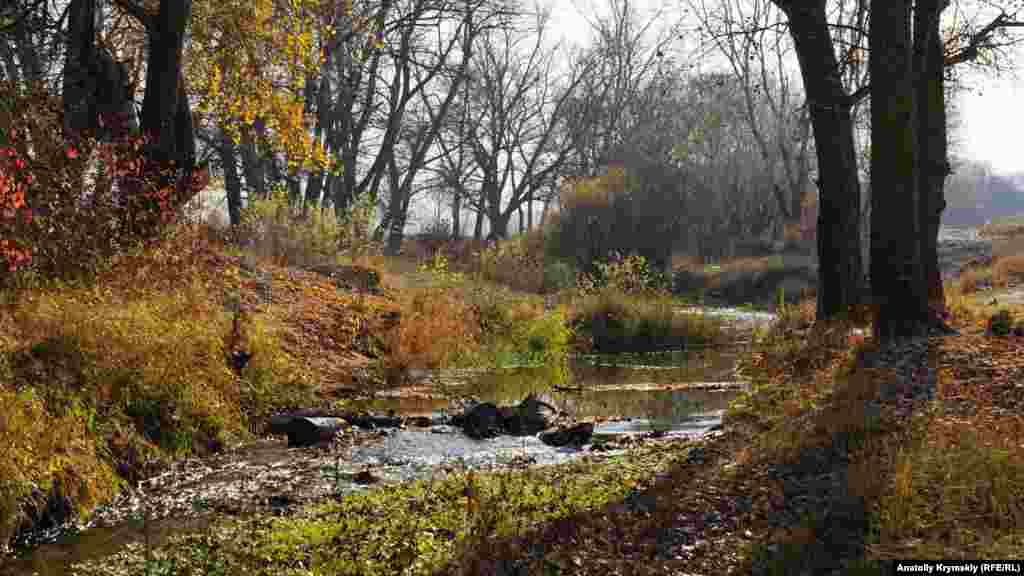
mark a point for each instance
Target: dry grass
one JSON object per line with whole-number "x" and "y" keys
{"x": 1008, "y": 269}
{"x": 437, "y": 328}
{"x": 1003, "y": 227}
{"x": 971, "y": 278}
{"x": 942, "y": 483}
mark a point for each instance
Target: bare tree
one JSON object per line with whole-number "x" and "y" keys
{"x": 628, "y": 55}
{"x": 749, "y": 35}
{"x": 515, "y": 103}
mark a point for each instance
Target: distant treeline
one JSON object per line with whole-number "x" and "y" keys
{"x": 974, "y": 195}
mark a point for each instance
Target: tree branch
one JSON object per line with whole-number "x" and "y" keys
{"x": 136, "y": 11}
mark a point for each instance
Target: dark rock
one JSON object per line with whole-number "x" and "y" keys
{"x": 365, "y": 477}
{"x": 372, "y": 422}
{"x": 280, "y": 501}
{"x": 697, "y": 455}
{"x": 485, "y": 420}
{"x": 530, "y": 417}
{"x": 312, "y": 431}
{"x": 419, "y": 421}
{"x": 576, "y": 435}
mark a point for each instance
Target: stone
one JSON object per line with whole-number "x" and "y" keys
{"x": 365, "y": 477}
{"x": 312, "y": 431}
{"x": 575, "y": 435}
{"x": 529, "y": 416}
{"x": 419, "y": 421}
{"x": 484, "y": 420}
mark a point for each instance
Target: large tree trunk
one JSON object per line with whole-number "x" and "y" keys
{"x": 314, "y": 185}
{"x": 840, "y": 269}
{"x": 232, "y": 181}
{"x": 254, "y": 167}
{"x": 161, "y": 110}
{"x": 396, "y": 222}
{"x": 931, "y": 140}
{"x": 897, "y": 282}
{"x": 80, "y": 56}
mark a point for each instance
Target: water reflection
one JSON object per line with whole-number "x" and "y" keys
{"x": 654, "y": 389}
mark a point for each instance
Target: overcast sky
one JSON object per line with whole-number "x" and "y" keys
{"x": 990, "y": 126}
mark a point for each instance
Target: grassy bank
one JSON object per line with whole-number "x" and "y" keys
{"x": 105, "y": 380}
{"x": 808, "y": 476}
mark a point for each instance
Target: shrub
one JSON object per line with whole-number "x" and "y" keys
{"x": 1000, "y": 323}
{"x": 618, "y": 322}
{"x": 629, "y": 275}
{"x": 559, "y": 275}
{"x": 437, "y": 329}
{"x": 517, "y": 262}
{"x": 1006, "y": 269}
{"x": 970, "y": 278}
{"x": 629, "y": 210}
{"x": 80, "y": 202}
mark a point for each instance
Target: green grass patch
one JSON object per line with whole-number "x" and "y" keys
{"x": 414, "y": 528}
{"x": 611, "y": 321}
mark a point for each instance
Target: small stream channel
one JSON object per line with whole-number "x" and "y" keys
{"x": 670, "y": 394}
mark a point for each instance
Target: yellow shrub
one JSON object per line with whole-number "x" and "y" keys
{"x": 1006, "y": 269}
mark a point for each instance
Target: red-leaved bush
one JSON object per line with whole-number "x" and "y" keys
{"x": 66, "y": 203}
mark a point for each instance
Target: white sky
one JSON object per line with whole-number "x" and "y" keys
{"x": 989, "y": 127}
{"x": 992, "y": 126}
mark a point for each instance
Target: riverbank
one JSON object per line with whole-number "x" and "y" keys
{"x": 817, "y": 420}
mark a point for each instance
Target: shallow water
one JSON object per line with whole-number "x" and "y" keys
{"x": 675, "y": 394}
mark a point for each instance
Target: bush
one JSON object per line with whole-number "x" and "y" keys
{"x": 559, "y": 276}
{"x": 630, "y": 275}
{"x": 517, "y": 262}
{"x": 1007, "y": 269}
{"x": 618, "y": 322}
{"x": 629, "y": 211}
{"x": 1000, "y": 323}
{"x": 73, "y": 205}
{"x": 437, "y": 329}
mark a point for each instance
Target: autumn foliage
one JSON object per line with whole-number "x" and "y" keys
{"x": 66, "y": 203}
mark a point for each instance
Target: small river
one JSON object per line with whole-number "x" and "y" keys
{"x": 627, "y": 396}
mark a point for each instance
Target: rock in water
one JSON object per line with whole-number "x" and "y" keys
{"x": 312, "y": 431}
{"x": 575, "y": 435}
{"x": 529, "y": 417}
{"x": 485, "y": 420}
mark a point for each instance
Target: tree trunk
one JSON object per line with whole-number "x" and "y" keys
{"x": 840, "y": 269}
{"x": 478, "y": 227}
{"x": 456, "y": 216}
{"x": 294, "y": 190}
{"x": 161, "y": 116}
{"x": 397, "y": 208}
{"x": 80, "y": 56}
{"x": 314, "y": 184}
{"x": 896, "y": 274}
{"x": 544, "y": 211}
{"x": 931, "y": 140}
{"x": 529, "y": 210}
{"x": 253, "y": 166}
{"x": 232, "y": 181}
